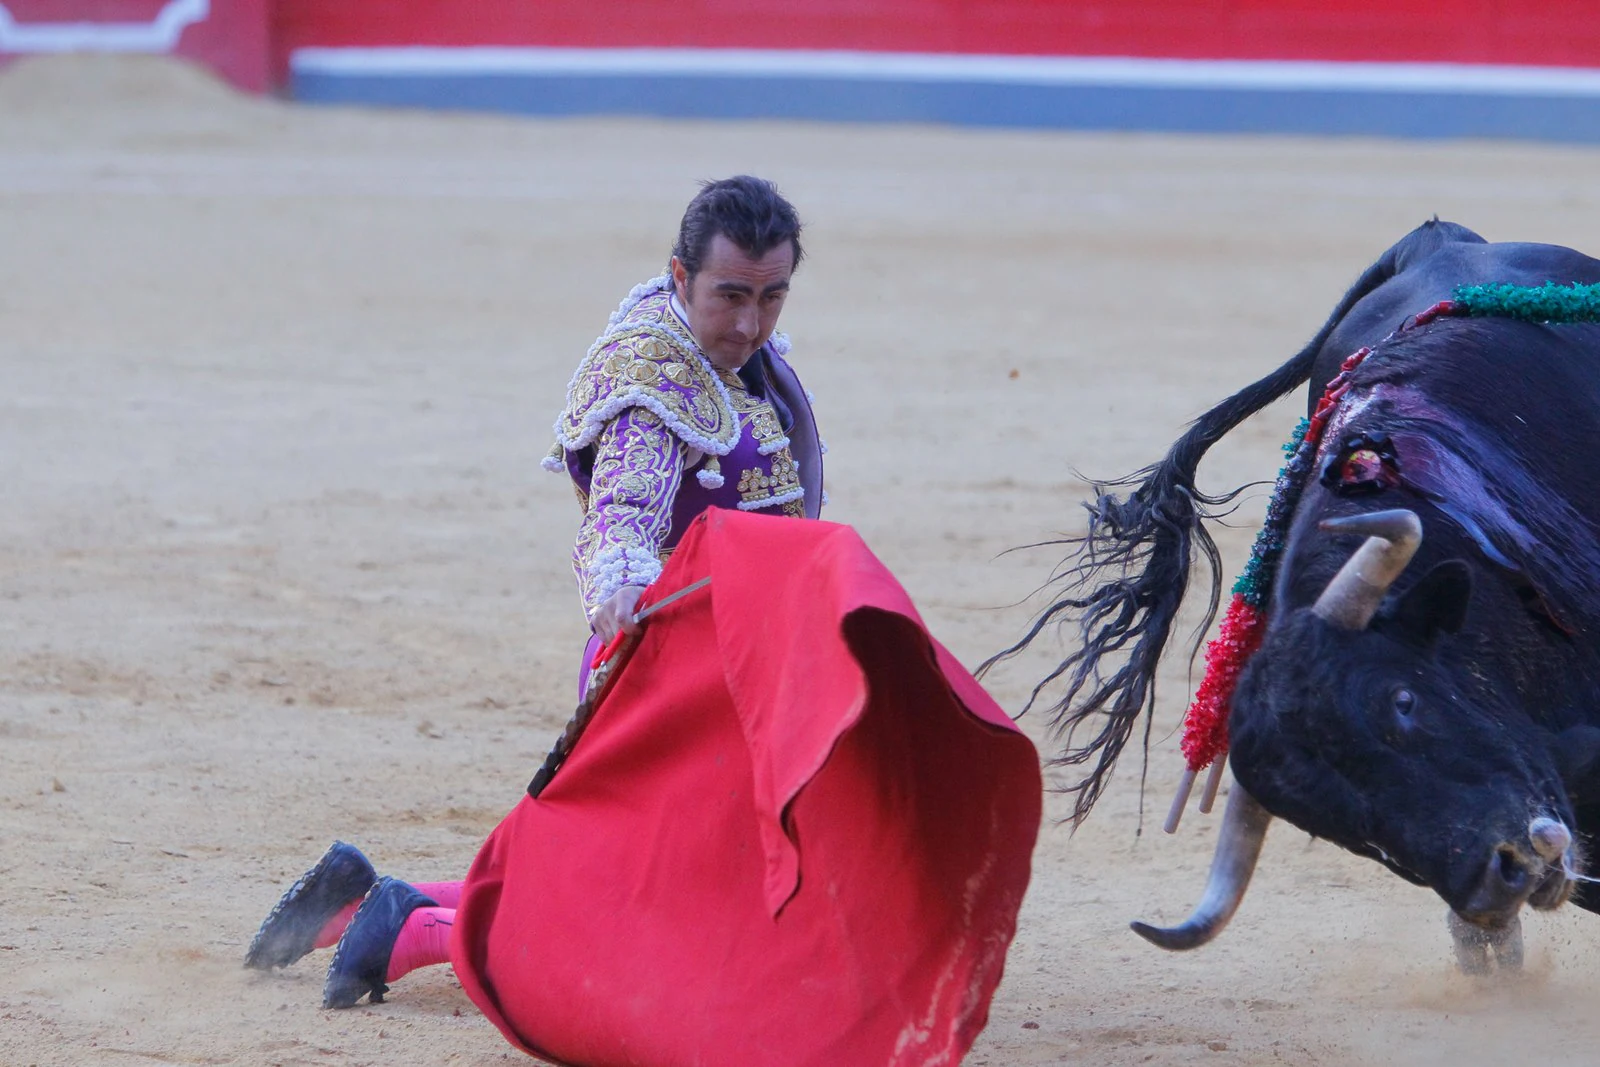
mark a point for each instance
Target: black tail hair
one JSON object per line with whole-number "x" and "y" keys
{"x": 1127, "y": 574}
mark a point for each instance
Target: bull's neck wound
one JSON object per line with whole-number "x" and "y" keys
{"x": 1205, "y": 731}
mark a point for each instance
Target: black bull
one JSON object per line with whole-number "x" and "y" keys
{"x": 1452, "y": 731}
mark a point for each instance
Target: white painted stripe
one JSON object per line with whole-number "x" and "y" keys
{"x": 955, "y": 69}
{"x": 158, "y": 35}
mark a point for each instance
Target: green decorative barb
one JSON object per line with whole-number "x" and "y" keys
{"x": 1531, "y": 303}
{"x": 1255, "y": 583}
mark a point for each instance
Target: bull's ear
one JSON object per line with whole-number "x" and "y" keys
{"x": 1436, "y": 604}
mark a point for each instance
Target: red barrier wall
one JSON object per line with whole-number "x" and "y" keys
{"x": 230, "y": 36}
{"x": 249, "y": 41}
{"x": 1543, "y": 33}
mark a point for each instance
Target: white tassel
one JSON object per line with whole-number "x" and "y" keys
{"x": 776, "y": 444}
{"x": 710, "y": 476}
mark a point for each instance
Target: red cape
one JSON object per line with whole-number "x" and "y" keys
{"x": 796, "y": 831}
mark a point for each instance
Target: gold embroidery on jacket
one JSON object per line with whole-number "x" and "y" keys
{"x": 757, "y": 486}
{"x": 638, "y": 468}
{"x": 654, "y": 357}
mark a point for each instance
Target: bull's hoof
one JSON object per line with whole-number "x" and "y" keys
{"x": 1480, "y": 950}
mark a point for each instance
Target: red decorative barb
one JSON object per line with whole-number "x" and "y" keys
{"x": 1205, "y": 732}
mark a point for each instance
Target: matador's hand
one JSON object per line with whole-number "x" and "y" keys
{"x": 617, "y": 613}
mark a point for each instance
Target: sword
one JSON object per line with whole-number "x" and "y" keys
{"x": 604, "y": 668}
{"x": 669, "y": 598}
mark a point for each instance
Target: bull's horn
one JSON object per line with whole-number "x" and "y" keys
{"x": 1352, "y": 598}
{"x": 1244, "y": 827}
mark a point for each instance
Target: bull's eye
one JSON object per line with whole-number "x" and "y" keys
{"x": 1365, "y": 463}
{"x": 1405, "y": 702}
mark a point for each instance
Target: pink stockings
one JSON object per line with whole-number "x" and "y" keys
{"x": 424, "y": 941}
{"x": 425, "y": 938}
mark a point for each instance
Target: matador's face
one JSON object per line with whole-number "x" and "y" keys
{"x": 734, "y": 302}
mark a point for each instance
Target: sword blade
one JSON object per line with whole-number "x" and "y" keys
{"x": 669, "y": 598}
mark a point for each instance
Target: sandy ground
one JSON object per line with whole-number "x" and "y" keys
{"x": 278, "y": 565}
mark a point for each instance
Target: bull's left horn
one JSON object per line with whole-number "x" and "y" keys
{"x": 1244, "y": 827}
{"x": 1352, "y": 597}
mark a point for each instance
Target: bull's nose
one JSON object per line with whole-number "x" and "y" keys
{"x": 1508, "y": 874}
{"x": 1504, "y": 881}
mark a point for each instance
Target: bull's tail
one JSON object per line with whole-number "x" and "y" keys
{"x": 1128, "y": 573}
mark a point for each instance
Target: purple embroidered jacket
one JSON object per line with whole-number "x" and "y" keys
{"x": 652, "y": 434}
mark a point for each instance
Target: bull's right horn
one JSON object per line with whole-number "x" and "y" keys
{"x": 1244, "y": 827}
{"x": 1353, "y": 596}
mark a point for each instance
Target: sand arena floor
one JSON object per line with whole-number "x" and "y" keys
{"x": 278, "y": 565}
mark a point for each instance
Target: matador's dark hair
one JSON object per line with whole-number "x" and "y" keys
{"x": 747, "y": 211}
